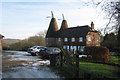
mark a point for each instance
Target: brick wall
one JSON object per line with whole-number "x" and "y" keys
{"x": 94, "y": 41}
{"x": 52, "y": 42}
{"x": 76, "y": 43}
{"x": 0, "y": 45}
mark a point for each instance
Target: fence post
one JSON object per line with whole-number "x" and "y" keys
{"x": 77, "y": 65}
{"x": 61, "y": 60}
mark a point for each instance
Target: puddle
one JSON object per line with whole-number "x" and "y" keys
{"x": 34, "y": 68}
{"x": 24, "y": 58}
{"x": 38, "y": 63}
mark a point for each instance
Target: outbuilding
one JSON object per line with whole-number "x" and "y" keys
{"x": 1, "y": 37}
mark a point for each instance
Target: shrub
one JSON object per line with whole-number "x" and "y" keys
{"x": 98, "y": 53}
{"x": 23, "y": 45}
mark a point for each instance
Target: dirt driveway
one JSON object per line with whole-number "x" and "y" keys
{"x": 20, "y": 64}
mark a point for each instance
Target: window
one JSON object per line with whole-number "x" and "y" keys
{"x": 73, "y": 39}
{"x": 59, "y": 39}
{"x": 81, "y": 39}
{"x": 64, "y": 47}
{"x": 97, "y": 45}
{"x": 81, "y": 48}
{"x": 46, "y": 40}
{"x": 71, "y": 47}
{"x": 89, "y": 38}
{"x": 55, "y": 50}
{"x": 65, "y": 39}
{"x": 97, "y": 38}
{"x": 67, "y": 47}
{"x": 74, "y": 47}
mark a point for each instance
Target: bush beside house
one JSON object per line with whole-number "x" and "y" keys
{"x": 98, "y": 53}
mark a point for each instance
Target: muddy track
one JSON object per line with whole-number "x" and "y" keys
{"x": 19, "y": 64}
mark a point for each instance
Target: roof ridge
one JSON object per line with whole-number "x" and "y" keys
{"x": 78, "y": 26}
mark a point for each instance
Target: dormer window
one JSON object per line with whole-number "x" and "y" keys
{"x": 59, "y": 39}
{"x": 65, "y": 39}
{"x": 73, "y": 39}
{"x": 81, "y": 39}
{"x": 89, "y": 38}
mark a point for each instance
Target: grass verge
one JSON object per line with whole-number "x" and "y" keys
{"x": 92, "y": 70}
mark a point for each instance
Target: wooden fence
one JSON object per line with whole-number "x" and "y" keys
{"x": 71, "y": 59}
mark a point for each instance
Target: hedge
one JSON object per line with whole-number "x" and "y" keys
{"x": 98, "y": 53}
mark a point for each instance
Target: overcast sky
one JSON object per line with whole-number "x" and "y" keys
{"x": 24, "y": 18}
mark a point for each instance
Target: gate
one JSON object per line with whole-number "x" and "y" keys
{"x": 71, "y": 59}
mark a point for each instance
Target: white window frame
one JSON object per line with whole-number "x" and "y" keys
{"x": 59, "y": 39}
{"x": 97, "y": 38}
{"x": 71, "y": 48}
{"x": 82, "y": 48}
{"x": 65, "y": 39}
{"x": 97, "y": 45}
{"x": 68, "y": 47}
{"x": 89, "y": 38}
{"x": 75, "y": 47}
{"x": 80, "y": 39}
{"x": 64, "y": 47}
{"x": 73, "y": 39}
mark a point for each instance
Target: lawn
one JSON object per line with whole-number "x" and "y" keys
{"x": 93, "y": 70}
{"x": 115, "y": 59}
{"x": 100, "y": 69}
{"x": 109, "y": 71}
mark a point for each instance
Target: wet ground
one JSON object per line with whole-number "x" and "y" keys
{"x": 20, "y": 64}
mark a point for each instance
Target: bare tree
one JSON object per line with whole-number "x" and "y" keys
{"x": 42, "y": 33}
{"x": 112, "y": 10}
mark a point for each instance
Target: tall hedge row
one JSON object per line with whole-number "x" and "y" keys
{"x": 27, "y": 43}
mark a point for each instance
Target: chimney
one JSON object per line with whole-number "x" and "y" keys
{"x": 92, "y": 25}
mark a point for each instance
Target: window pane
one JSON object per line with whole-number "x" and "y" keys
{"x": 97, "y": 45}
{"x": 82, "y": 48}
{"x": 72, "y": 48}
{"x": 67, "y": 47}
{"x": 75, "y": 48}
{"x": 97, "y": 38}
{"x": 65, "y": 39}
{"x": 80, "y": 39}
{"x": 73, "y": 39}
{"x": 89, "y": 38}
{"x": 64, "y": 47}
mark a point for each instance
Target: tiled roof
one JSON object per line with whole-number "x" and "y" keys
{"x": 64, "y": 24}
{"x": 53, "y": 27}
{"x": 74, "y": 31}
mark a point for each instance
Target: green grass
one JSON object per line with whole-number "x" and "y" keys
{"x": 96, "y": 70}
{"x": 108, "y": 71}
{"x": 115, "y": 59}
{"x": 101, "y": 69}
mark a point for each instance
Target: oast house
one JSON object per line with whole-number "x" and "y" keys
{"x": 71, "y": 37}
